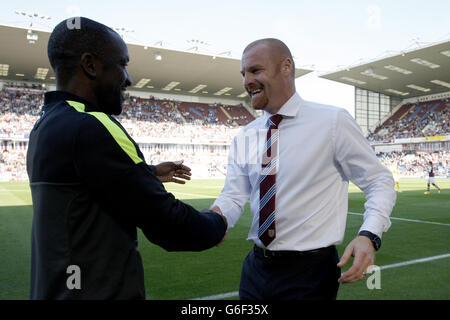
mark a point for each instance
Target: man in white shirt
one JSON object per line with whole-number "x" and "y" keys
{"x": 294, "y": 163}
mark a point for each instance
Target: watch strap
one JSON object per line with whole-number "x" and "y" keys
{"x": 376, "y": 241}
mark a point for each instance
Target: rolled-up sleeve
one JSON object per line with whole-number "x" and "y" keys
{"x": 361, "y": 166}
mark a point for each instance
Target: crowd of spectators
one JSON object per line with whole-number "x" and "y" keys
{"x": 415, "y": 164}
{"x": 19, "y": 109}
{"x": 143, "y": 117}
{"x": 146, "y": 120}
{"x": 172, "y": 131}
{"x": 163, "y": 122}
{"x": 421, "y": 120}
{"x": 12, "y": 165}
{"x": 204, "y": 165}
{"x": 149, "y": 110}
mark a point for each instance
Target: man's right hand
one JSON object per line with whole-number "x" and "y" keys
{"x": 217, "y": 210}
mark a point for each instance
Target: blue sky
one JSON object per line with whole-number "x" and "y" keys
{"x": 321, "y": 34}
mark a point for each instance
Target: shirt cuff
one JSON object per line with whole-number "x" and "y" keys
{"x": 226, "y": 213}
{"x": 376, "y": 224}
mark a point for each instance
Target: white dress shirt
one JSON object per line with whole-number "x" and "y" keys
{"x": 321, "y": 149}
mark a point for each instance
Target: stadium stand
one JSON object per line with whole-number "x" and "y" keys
{"x": 154, "y": 110}
{"x": 423, "y": 119}
{"x": 200, "y": 133}
{"x": 414, "y": 164}
{"x": 239, "y": 114}
{"x": 215, "y": 114}
{"x": 151, "y": 109}
{"x": 19, "y": 109}
{"x": 165, "y": 130}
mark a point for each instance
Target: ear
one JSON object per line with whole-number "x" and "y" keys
{"x": 90, "y": 65}
{"x": 286, "y": 66}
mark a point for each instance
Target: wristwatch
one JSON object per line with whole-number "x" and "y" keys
{"x": 376, "y": 241}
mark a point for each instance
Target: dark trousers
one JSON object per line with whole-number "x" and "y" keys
{"x": 311, "y": 275}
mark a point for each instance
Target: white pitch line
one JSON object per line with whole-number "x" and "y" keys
{"x": 415, "y": 261}
{"x": 219, "y": 296}
{"x": 409, "y": 220}
{"x": 389, "y": 266}
{"x": 354, "y": 213}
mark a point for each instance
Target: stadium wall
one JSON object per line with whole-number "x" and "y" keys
{"x": 420, "y": 144}
{"x": 144, "y": 94}
{"x": 431, "y": 97}
{"x": 19, "y": 84}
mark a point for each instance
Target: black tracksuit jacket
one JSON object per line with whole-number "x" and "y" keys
{"x": 91, "y": 190}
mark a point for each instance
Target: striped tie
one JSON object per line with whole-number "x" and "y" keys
{"x": 267, "y": 186}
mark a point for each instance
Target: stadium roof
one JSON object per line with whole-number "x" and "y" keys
{"x": 409, "y": 74}
{"x": 179, "y": 72}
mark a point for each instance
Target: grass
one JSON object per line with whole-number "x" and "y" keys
{"x": 186, "y": 275}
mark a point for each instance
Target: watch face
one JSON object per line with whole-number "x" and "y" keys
{"x": 376, "y": 241}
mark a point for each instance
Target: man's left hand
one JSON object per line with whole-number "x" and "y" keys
{"x": 173, "y": 172}
{"x": 361, "y": 248}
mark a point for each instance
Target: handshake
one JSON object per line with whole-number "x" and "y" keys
{"x": 177, "y": 172}
{"x": 217, "y": 210}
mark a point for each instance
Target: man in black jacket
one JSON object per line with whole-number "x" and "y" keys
{"x": 90, "y": 185}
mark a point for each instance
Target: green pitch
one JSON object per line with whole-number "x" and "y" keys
{"x": 420, "y": 229}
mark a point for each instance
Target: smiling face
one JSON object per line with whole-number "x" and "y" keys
{"x": 113, "y": 79}
{"x": 267, "y": 77}
{"x": 90, "y": 62}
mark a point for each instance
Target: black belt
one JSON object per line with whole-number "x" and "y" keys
{"x": 290, "y": 253}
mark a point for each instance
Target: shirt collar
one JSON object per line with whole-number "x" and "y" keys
{"x": 289, "y": 109}
{"x": 57, "y": 96}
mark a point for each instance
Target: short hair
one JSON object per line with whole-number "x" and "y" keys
{"x": 277, "y": 46}
{"x": 69, "y": 41}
